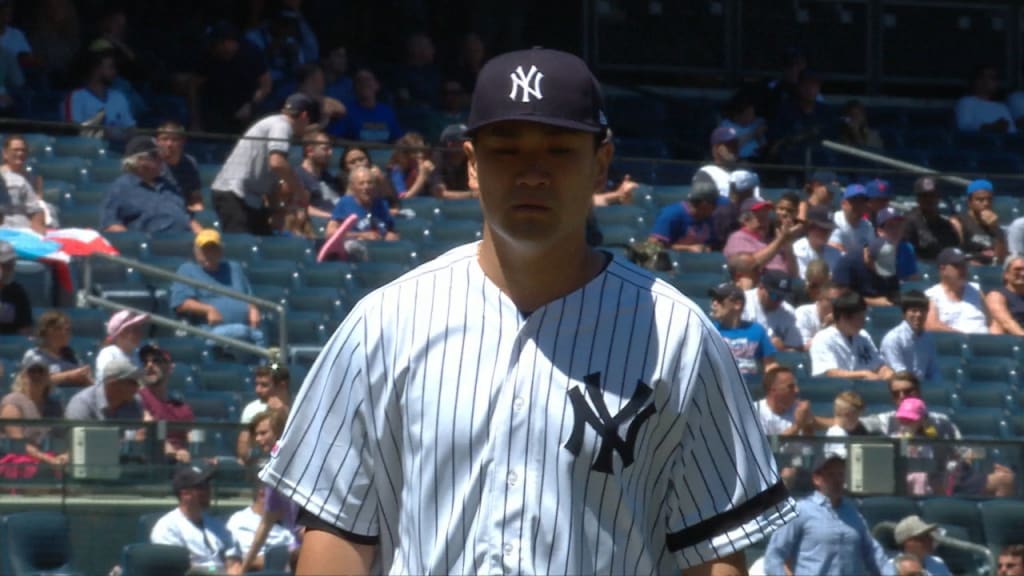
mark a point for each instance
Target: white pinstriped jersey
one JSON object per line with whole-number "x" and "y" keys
{"x": 607, "y": 432}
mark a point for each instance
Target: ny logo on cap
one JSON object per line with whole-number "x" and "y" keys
{"x": 522, "y": 80}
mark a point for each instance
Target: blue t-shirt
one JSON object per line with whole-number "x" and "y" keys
{"x": 377, "y": 124}
{"x": 155, "y": 209}
{"x": 676, "y": 224}
{"x": 378, "y": 217}
{"x": 906, "y": 260}
{"x": 749, "y": 343}
{"x": 228, "y": 274}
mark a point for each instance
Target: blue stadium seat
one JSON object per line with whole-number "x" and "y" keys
{"x": 699, "y": 263}
{"x": 665, "y": 195}
{"x": 223, "y": 377}
{"x": 695, "y": 283}
{"x": 978, "y": 422}
{"x": 950, "y": 344}
{"x": 872, "y": 392}
{"x": 986, "y": 346}
{"x": 216, "y": 406}
{"x": 622, "y": 214}
{"x": 430, "y": 250}
{"x": 207, "y": 172}
{"x": 799, "y": 362}
{"x": 468, "y": 209}
{"x": 144, "y": 527}
{"x": 80, "y": 217}
{"x": 176, "y": 245}
{"x": 412, "y": 229}
{"x": 1013, "y": 427}
{"x": 36, "y": 543}
{"x": 885, "y": 318}
{"x": 286, "y": 249}
{"x": 328, "y": 275}
{"x": 146, "y": 559}
{"x": 956, "y": 512}
{"x": 186, "y": 350}
{"x": 278, "y": 273}
{"x": 370, "y": 275}
{"x": 278, "y": 294}
{"x": 425, "y": 207}
{"x": 988, "y": 371}
{"x": 79, "y": 147}
{"x": 621, "y": 235}
{"x": 306, "y": 328}
{"x": 182, "y": 378}
{"x": 461, "y": 231}
{"x": 68, "y": 169}
{"x": 400, "y": 252}
{"x": 208, "y": 218}
{"x": 39, "y": 145}
{"x": 824, "y": 389}
{"x": 130, "y": 244}
{"x": 1001, "y": 519}
{"x": 950, "y": 368}
{"x": 938, "y": 393}
{"x": 326, "y": 300}
{"x": 878, "y": 509}
{"x": 995, "y": 395}
{"x": 38, "y": 281}
{"x": 105, "y": 170}
{"x": 990, "y": 277}
{"x": 88, "y": 322}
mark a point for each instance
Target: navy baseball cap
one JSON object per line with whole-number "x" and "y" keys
{"x": 727, "y": 291}
{"x": 538, "y": 85}
{"x": 855, "y": 191}
{"x": 300, "y": 102}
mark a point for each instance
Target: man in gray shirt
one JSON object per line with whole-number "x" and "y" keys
{"x": 248, "y": 183}
{"x": 113, "y": 399}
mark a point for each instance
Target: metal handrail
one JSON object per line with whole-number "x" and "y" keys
{"x": 892, "y": 162}
{"x": 148, "y": 269}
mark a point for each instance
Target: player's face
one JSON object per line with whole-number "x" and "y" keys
{"x": 536, "y": 182}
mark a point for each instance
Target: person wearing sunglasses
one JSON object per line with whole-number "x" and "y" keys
{"x": 163, "y": 405}
{"x": 902, "y": 385}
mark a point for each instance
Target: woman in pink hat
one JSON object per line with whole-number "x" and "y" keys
{"x": 124, "y": 334}
{"x": 914, "y": 423}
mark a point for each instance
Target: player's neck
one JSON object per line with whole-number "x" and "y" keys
{"x": 533, "y": 278}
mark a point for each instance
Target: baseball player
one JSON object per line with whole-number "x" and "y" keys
{"x": 527, "y": 404}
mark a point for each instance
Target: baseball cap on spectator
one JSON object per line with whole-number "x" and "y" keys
{"x": 121, "y": 368}
{"x": 883, "y": 254}
{"x": 538, "y": 85}
{"x": 122, "y": 320}
{"x": 726, "y": 291}
{"x": 7, "y": 252}
{"x": 823, "y": 177}
{"x": 703, "y": 188}
{"x": 925, "y": 185}
{"x": 877, "y": 189}
{"x": 744, "y": 180}
{"x": 827, "y": 458}
{"x": 453, "y": 133}
{"x": 298, "y": 103}
{"x": 818, "y": 217}
{"x": 755, "y": 204}
{"x": 191, "y": 477}
{"x": 140, "y": 145}
{"x": 911, "y": 527}
{"x": 206, "y": 237}
{"x": 855, "y": 191}
{"x": 913, "y": 409}
{"x": 153, "y": 350}
{"x": 977, "y": 186}
{"x": 723, "y": 134}
{"x": 886, "y": 214}
{"x": 777, "y": 282}
{"x": 951, "y": 257}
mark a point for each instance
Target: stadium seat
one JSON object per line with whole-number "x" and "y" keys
{"x": 400, "y": 252}
{"x": 88, "y": 322}
{"x": 799, "y": 362}
{"x": 1013, "y": 427}
{"x": 1001, "y": 519}
{"x": 286, "y": 249}
{"x": 468, "y": 209}
{"x": 242, "y": 248}
{"x": 277, "y": 294}
{"x": 426, "y": 208}
{"x": 621, "y": 235}
{"x": 978, "y": 423}
{"x": 182, "y": 377}
{"x": 664, "y": 195}
{"x": 956, "y": 512}
{"x": 207, "y": 172}
{"x": 950, "y": 367}
{"x": 223, "y": 377}
{"x": 370, "y": 275}
{"x": 105, "y": 170}
{"x": 328, "y": 275}
{"x": 36, "y": 543}
{"x": 39, "y": 145}
{"x": 432, "y": 249}
{"x": 989, "y": 370}
{"x": 145, "y": 525}
{"x": 276, "y": 559}
{"x": 38, "y": 281}
{"x": 886, "y": 509}
{"x": 146, "y": 559}
{"x": 80, "y": 217}
{"x": 884, "y": 318}
{"x": 871, "y": 391}
{"x": 326, "y": 300}
{"x": 79, "y": 147}
{"x": 177, "y": 245}
{"x": 986, "y": 346}
{"x": 186, "y": 350}
{"x": 695, "y": 283}
{"x": 216, "y": 405}
{"x": 13, "y": 346}
{"x": 129, "y": 243}
{"x": 824, "y": 389}
{"x": 412, "y": 229}
{"x": 702, "y": 263}
{"x": 995, "y": 395}
{"x": 949, "y": 343}
{"x": 622, "y": 214}
{"x": 278, "y": 273}
{"x": 68, "y": 169}
{"x": 938, "y": 393}
{"x": 460, "y": 231}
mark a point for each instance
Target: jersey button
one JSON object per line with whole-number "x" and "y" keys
{"x": 509, "y": 549}
{"x": 513, "y": 479}
{"x": 518, "y": 404}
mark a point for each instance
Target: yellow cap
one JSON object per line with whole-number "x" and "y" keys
{"x": 208, "y": 236}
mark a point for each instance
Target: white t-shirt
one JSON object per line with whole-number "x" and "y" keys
{"x": 774, "y": 424}
{"x": 851, "y": 238}
{"x": 207, "y": 546}
{"x": 964, "y": 315}
{"x": 808, "y": 322}
{"x": 780, "y": 323}
{"x": 838, "y": 449}
{"x": 805, "y": 255}
{"x": 972, "y": 112}
{"x": 720, "y": 176}
{"x": 243, "y": 524}
{"x": 246, "y": 173}
{"x": 252, "y": 409}
{"x": 82, "y": 105}
{"x": 831, "y": 350}
{"x": 106, "y": 355}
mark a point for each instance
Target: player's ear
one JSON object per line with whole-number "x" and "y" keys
{"x": 603, "y": 161}
{"x": 467, "y": 147}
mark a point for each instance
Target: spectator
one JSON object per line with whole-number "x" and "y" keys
{"x": 781, "y": 411}
{"x": 687, "y": 226}
{"x": 472, "y": 56}
{"x": 410, "y": 170}
{"x": 786, "y": 209}
{"x": 890, "y": 226}
{"x": 981, "y": 235}
{"x": 230, "y": 85}
{"x": 879, "y": 196}
{"x": 419, "y": 78}
{"x": 855, "y": 130}
{"x": 846, "y": 411}
{"x": 244, "y": 526}
{"x": 820, "y": 189}
{"x": 17, "y": 161}
{"x": 141, "y": 199}
{"x": 278, "y": 42}
{"x": 799, "y": 122}
{"x": 248, "y": 181}
{"x": 907, "y": 347}
{"x": 357, "y": 157}
{"x": 112, "y": 398}
{"x": 784, "y": 88}
{"x": 374, "y": 221}
{"x": 15, "y": 306}
{"x": 815, "y": 278}
{"x": 905, "y": 385}
{"x": 96, "y": 103}
{"x": 124, "y": 334}
{"x": 318, "y": 182}
{"x": 29, "y": 399}
{"x": 743, "y": 185}
{"x": 366, "y": 118}
{"x": 26, "y": 208}
{"x": 748, "y": 341}
{"x": 453, "y": 169}
{"x": 756, "y": 228}
{"x": 1015, "y": 236}
{"x": 814, "y": 317}
{"x": 916, "y": 538}
{"x": 53, "y": 350}
{"x": 908, "y": 565}
{"x": 978, "y": 111}
{"x": 957, "y": 305}
{"x": 741, "y": 117}
{"x": 221, "y": 315}
{"x": 1011, "y": 560}
{"x": 853, "y": 231}
{"x": 928, "y": 231}
{"x": 871, "y": 272}
{"x": 113, "y": 28}
{"x": 209, "y": 544}
{"x": 161, "y": 404}
{"x": 828, "y": 536}
{"x": 1006, "y": 303}
{"x": 57, "y": 38}
{"x": 271, "y": 386}
{"x": 12, "y": 39}
{"x": 814, "y": 245}
{"x": 279, "y": 512}
{"x": 337, "y": 83}
{"x": 914, "y": 423}
{"x": 743, "y": 271}
{"x": 725, "y": 146}
{"x": 179, "y": 168}
{"x": 311, "y": 82}
{"x": 844, "y": 350}
{"x": 767, "y": 306}
{"x": 11, "y": 81}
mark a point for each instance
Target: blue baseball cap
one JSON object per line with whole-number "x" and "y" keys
{"x": 855, "y": 191}
{"x": 877, "y": 189}
{"x": 977, "y": 185}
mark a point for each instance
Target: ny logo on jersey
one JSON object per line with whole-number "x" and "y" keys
{"x": 606, "y": 425}
{"x": 521, "y": 80}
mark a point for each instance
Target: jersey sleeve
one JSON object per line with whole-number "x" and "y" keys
{"x": 279, "y": 137}
{"x": 822, "y": 357}
{"x": 324, "y": 460}
{"x": 724, "y": 492}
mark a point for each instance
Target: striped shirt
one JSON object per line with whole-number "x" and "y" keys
{"x": 608, "y": 431}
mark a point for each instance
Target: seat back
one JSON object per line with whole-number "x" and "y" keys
{"x": 145, "y": 559}
{"x": 276, "y": 559}
{"x": 36, "y": 542}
